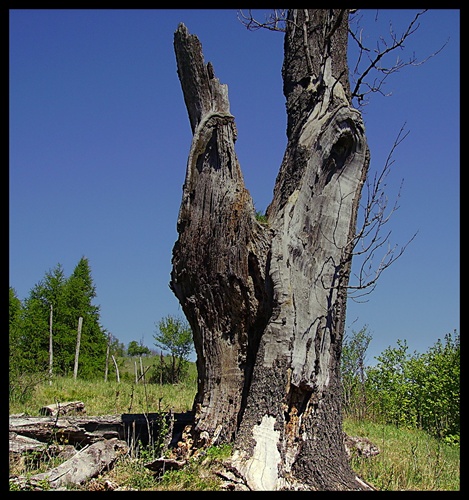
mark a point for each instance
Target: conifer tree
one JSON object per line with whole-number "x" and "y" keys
{"x": 35, "y": 340}
{"x": 15, "y": 309}
{"x": 70, "y": 298}
{"x": 80, "y": 293}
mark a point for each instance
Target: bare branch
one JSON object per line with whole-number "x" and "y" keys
{"x": 369, "y": 237}
{"x": 273, "y": 22}
{"x": 373, "y": 59}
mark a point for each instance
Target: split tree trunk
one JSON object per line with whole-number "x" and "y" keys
{"x": 267, "y": 303}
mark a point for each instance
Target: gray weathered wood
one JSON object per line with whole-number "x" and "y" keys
{"x": 19, "y": 444}
{"x": 81, "y": 430}
{"x": 117, "y": 368}
{"x": 87, "y": 463}
{"x": 74, "y": 430}
{"x": 77, "y": 349}
{"x": 219, "y": 261}
{"x": 63, "y": 408}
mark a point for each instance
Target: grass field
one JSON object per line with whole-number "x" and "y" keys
{"x": 409, "y": 459}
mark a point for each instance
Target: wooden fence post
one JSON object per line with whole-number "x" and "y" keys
{"x": 77, "y": 350}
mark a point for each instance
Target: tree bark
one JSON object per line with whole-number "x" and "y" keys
{"x": 267, "y": 303}
{"x": 220, "y": 259}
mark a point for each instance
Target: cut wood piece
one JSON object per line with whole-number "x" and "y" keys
{"x": 65, "y": 408}
{"x": 361, "y": 446}
{"x": 20, "y": 445}
{"x": 86, "y": 464}
{"x": 23, "y": 448}
{"x": 23, "y": 444}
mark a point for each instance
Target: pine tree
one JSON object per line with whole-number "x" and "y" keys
{"x": 80, "y": 292}
{"x": 15, "y": 310}
{"x": 35, "y": 339}
{"x": 70, "y": 298}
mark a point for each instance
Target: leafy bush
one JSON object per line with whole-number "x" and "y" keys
{"x": 419, "y": 390}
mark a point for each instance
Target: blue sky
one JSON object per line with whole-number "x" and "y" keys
{"x": 99, "y": 139}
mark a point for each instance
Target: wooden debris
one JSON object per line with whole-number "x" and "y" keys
{"x": 65, "y": 408}
{"x": 360, "y": 446}
{"x": 85, "y": 464}
{"x": 23, "y": 444}
{"x": 88, "y": 444}
{"x": 164, "y": 464}
{"x": 68, "y": 430}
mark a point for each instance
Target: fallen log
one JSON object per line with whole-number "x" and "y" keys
{"x": 87, "y": 463}
{"x": 78, "y": 431}
{"x": 24, "y": 449}
{"x": 19, "y": 444}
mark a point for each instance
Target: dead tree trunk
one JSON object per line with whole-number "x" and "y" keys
{"x": 51, "y": 354}
{"x": 77, "y": 350}
{"x": 267, "y": 303}
{"x": 106, "y": 367}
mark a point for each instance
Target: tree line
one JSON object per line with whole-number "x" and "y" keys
{"x": 44, "y": 328}
{"x": 416, "y": 390}
{"x": 57, "y": 330}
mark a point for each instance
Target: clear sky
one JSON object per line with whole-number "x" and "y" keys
{"x": 99, "y": 137}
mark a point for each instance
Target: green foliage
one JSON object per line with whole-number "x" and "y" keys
{"x": 261, "y": 217}
{"x": 174, "y": 336}
{"x": 107, "y": 398}
{"x": 136, "y": 349}
{"x": 80, "y": 293}
{"x": 198, "y": 474}
{"x": 437, "y": 381}
{"x": 219, "y": 452}
{"x": 419, "y": 390}
{"x": 353, "y": 359}
{"x": 132, "y": 474}
{"x": 15, "y": 334}
{"x": 15, "y": 308}
{"x": 115, "y": 347}
{"x": 66, "y": 299}
{"x": 409, "y": 459}
{"x": 22, "y": 387}
{"x": 414, "y": 391}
